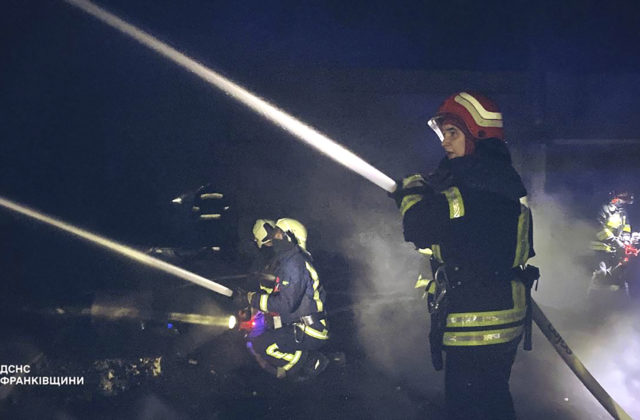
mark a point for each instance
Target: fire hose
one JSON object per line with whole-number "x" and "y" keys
{"x": 337, "y": 153}
{"x": 116, "y": 247}
{"x": 576, "y": 365}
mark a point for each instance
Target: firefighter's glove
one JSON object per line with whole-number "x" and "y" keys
{"x": 411, "y": 185}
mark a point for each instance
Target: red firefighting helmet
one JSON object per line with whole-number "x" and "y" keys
{"x": 479, "y": 114}
{"x": 620, "y": 198}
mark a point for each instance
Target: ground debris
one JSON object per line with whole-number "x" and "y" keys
{"x": 119, "y": 375}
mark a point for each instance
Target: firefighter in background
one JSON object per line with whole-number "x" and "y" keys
{"x": 615, "y": 245}
{"x": 471, "y": 216}
{"x": 289, "y": 320}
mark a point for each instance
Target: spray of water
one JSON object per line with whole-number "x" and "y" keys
{"x": 294, "y": 126}
{"x": 117, "y": 247}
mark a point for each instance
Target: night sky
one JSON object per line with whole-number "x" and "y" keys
{"x": 103, "y": 133}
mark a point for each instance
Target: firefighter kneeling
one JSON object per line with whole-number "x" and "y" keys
{"x": 288, "y": 324}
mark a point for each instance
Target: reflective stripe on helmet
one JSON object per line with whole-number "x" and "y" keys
{"x": 480, "y": 115}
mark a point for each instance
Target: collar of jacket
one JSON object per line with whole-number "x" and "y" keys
{"x": 488, "y": 169}
{"x": 285, "y": 255}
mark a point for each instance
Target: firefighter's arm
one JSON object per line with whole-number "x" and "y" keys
{"x": 426, "y": 213}
{"x": 288, "y": 296}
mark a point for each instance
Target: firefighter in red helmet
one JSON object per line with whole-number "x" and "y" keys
{"x": 471, "y": 217}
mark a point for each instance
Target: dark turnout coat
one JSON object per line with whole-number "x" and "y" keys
{"x": 472, "y": 213}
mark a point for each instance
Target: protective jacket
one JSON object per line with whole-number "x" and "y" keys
{"x": 613, "y": 223}
{"x": 472, "y": 213}
{"x": 297, "y": 296}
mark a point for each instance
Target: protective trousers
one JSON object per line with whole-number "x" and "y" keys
{"x": 477, "y": 382}
{"x": 284, "y": 351}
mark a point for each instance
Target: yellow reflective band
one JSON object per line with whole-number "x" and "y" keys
{"x": 432, "y": 288}
{"x": 485, "y": 319}
{"x": 312, "y": 332}
{"x": 522, "y": 241}
{"x": 266, "y": 289}
{"x": 482, "y": 116}
{"x": 604, "y": 234}
{"x": 456, "y": 205}
{"x": 273, "y": 351}
{"x": 208, "y": 196}
{"x": 263, "y": 302}
{"x": 599, "y": 246}
{"x": 626, "y": 228}
{"x": 481, "y": 338}
{"x": 493, "y": 318}
{"x": 413, "y": 181}
{"x": 211, "y": 216}
{"x": 614, "y": 221}
{"x": 409, "y": 201}
{"x": 421, "y": 282}
{"x": 518, "y": 294}
{"x": 425, "y": 251}
{"x": 296, "y": 358}
{"x": 316, "y": 283}
{"x": 437, "y": 254}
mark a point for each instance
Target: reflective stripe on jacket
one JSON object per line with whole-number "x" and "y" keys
{"x": 473, "y": 215}
{"x": 297, "y": 293}
{"x": 490, "y": 327}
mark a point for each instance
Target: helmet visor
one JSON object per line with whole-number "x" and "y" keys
{"x": 433, "y": 123}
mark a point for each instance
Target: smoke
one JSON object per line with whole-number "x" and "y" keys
{"x": 390, "y": 319}
{"x": 561, "y": 241}
{"x": 612, "y": 353}
{"x": 601, "y": 330}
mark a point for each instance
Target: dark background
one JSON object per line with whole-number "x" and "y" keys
{"x": 103, "y": 133}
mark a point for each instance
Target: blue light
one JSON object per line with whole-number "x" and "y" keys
{"x": 169, "y": 325}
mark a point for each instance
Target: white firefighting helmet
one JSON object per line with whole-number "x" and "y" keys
{"x": 263, "y": 231}
{"x": 295, "y": 230}
{"x": 479, "y": 114}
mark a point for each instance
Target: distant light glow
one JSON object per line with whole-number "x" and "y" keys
{"x": 211, "y": 216}
{"x": 232, "y": 322}
{"x": 294, "y": 126}
{"x": 169, "y": 325}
